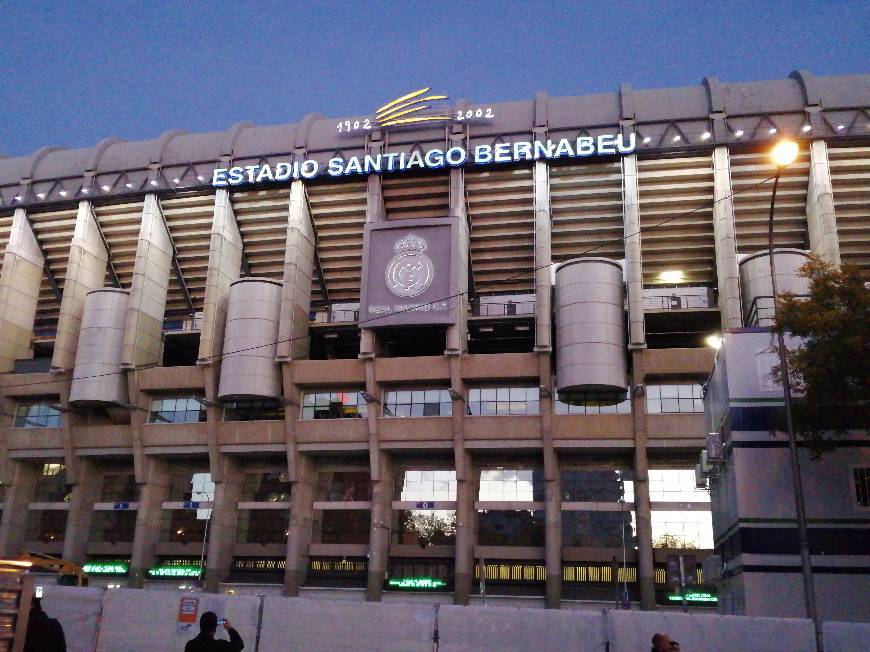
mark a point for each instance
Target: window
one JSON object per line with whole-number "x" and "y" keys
{"x": 670, "y": 399}
{"x": 341, "y": 526}
{"x": 862, "y": 486}
{"x": 420, "y": 486}
{"x": 262, "y": 410}
{"x": 266, "y": 487}
{"x": 343, "y": 486}
{"x": 593, "y": 485}
{"x": 589, "y": 529}
{"x": 682, "y": 529}
{"x": 675, "y": 486}
{"x": 36, "y": 414}
{"x": 182, "y": 526}
{"x": 515, "y": 485}
{"x": 119, "y": 487}
{"x": 520, "y": 527}
{"x": 503, "y": 400}
{"x": 418, "y": 403}
{"x": 51, "y": 485}
{"x": 116, "y": 526}
{"x": 334, "y": 405}
{"x": 177, "y": 409}
{"x": 424, "y": 527}
{"x": 262, "y": 526}
{"x": 596, "y": 403}
{"x": 191, "y": 485}
{"x": 46, "y": 525}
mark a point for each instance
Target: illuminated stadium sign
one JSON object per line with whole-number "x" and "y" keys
{"x": 432, "y": 159}
{"x": 106, "y": 568}
{"x": 694, "y": 596}
{"x": 175, "y": 571}
{"x": 417, "y": 583}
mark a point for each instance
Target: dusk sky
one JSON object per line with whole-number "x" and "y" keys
{"x": 75, "y": 72}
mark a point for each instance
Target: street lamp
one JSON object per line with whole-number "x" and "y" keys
{"x": 783, "y": 155}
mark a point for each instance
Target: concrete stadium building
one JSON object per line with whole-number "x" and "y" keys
{"x": 402, "y": 350}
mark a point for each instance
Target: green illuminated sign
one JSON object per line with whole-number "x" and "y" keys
{"x": 175, "y": 571}
{"x": 106, "y": 568}
{"x": 693, "y": 596}
{"x": 417, "y": 583}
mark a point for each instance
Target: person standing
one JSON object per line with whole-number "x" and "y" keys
{"x": 44, "y": 634}
{"x": 205, "y": 640}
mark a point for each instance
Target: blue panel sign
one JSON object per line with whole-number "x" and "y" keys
{"x": 121, "y": 506}
{"x": 191, "y": 504}
{"x": 426, "y": 504}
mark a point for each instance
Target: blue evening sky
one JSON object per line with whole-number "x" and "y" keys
{"x": 73, "y": 72}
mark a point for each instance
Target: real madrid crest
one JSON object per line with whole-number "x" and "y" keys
{"x": 410, "y": 272}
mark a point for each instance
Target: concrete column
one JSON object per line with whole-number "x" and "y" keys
{"x": 633, "y": 269}
{"x": 821, "y": 219}
{"x": 643, "y": 518}
{"x": 224, "y": 266}
{"x": 299, "y": 259}
{"x": 457, "y": 334}
{"x": 85, "y": 492}
{"x": 20, "y": 281}
{"x": 152, "y": 493}
{"x": 222, "y": 527}
{"x": 543, "y": 258}
{"x": 85, "y": 271}
{"x": 379, "y": 540}
{"x": 19, "y": 493}
{"x": 376, "y": 213}
{"x": 552, "y": 490}
{"x": 727, "y": 274}
{"x": 143, "y": 336}
{"x": 466, "y": 517}
{"x": 301, "y": 516}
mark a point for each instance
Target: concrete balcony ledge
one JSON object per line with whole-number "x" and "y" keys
{"x": 592, "y": 426}
{"x": 108, "y": 436}
{"x": 675, "y": 426}
{"x": 500, "y": 366}
{"x": 426, "y": 368}
{"x": 30, "y": 438}
{"x": 159, "y": 379}
{"x": 338, "y": 550}
{"x": 168, "y": 549}
{"x": 259, "y": 549}
{"x": 503, "y": 427}
{"x": 44, "y": 384}
{"x": 319, "y": 431}
{"x": 121, "y": 549}
{"x": 329, "y": 373}
{"x": 251, "y": 432}
{"x": 176, "y": 434}
{"x": 678, "y": 362}
{"x": 413, "y": 429}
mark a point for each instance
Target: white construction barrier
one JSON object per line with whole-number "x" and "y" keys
{"x": 77, "y": 610}
{"x": 298, "y": 624}
{"x": 846, "y": 637}
{"x": 630, "y": 631}
{"x": 146, "y": 621}
{"x": 470, "y": 629}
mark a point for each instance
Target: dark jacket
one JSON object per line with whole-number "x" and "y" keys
{"x": 208, "y": 643}
{"x": 44, "y": 634}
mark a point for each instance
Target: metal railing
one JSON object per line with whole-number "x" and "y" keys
{"x": 506, "y": 309}
{"x": 762, "y": 308}
{"x": 679, "y": 301}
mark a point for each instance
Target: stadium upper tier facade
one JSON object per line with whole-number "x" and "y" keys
{"x": 439, "y": 339}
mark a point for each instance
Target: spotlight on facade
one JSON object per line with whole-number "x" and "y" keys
{"x": 153, "y": 182}
{"x": 106, "y": 188}
{"x": 806, "y": 128}
{"x": 841, "y": 127}
{"x": 18, "y": 197}
{"x": 672, "y": 276}
{"x": 714, "y": 341}
{"x": 128, "y": 185}
{"x": 176, "y": 180}
{"x": 200, "y": 178}
{"x": 646, "y": 140}
{"x": 771, "y": 131}
{"x": 85, "y": 191}
{"x": 677, "y": 138}
{"x": 41, "y": 195}
{"x": 738, "y": 133}
{"x": 706, "y": 135}
{"x": 784, "y": 153}
{"x": 62, "y": 193}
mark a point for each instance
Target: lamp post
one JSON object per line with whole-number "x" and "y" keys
{"x": 783, "y": 154}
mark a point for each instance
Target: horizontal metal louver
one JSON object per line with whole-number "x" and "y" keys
{"x": 189, "y": 218}
{"x": 850, "y": 178}
{"x": 752, "y": 183}
{"x": 5, "y": 228}
{"x": 676, "y": 218}
{"x": 262, "y": 219}
{"x": 414, "y": 196}
{"x": 501, "y": 211}
{"x": 587, "y": 212}
{"x": 53, "y": 230}
{"x": 339, "y": 213}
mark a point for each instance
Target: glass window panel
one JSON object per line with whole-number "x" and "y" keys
{"x": 653, "y": 391}
{"x": 669, "y": 391}
{"x": 432, "y": 396}
{"x": 488, "y": 394}
{"x": 670, "y": 405}
{"x": 687, "y": 404}
{"x": 684, "y": 391}
{"x": 503, "y": 394}
{"x": 510, "y": 528}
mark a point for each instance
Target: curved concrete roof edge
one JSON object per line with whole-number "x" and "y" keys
{"x": 791, "y": 94}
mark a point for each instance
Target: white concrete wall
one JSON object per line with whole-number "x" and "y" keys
{"x": 77, "y": 610}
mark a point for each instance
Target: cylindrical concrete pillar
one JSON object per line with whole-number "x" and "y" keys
{"x": 756, "y": 286}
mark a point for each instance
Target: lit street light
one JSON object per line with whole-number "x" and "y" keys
{"x": 783, "y": 155}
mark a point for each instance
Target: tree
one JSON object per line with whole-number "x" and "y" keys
{"x": 673, "y": 542}
{"x": 830, "y": 370}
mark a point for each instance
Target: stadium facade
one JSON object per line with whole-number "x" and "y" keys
{"x": 405, "y": 350}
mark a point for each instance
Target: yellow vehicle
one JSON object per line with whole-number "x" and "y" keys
{"x": 68, "y": 573}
